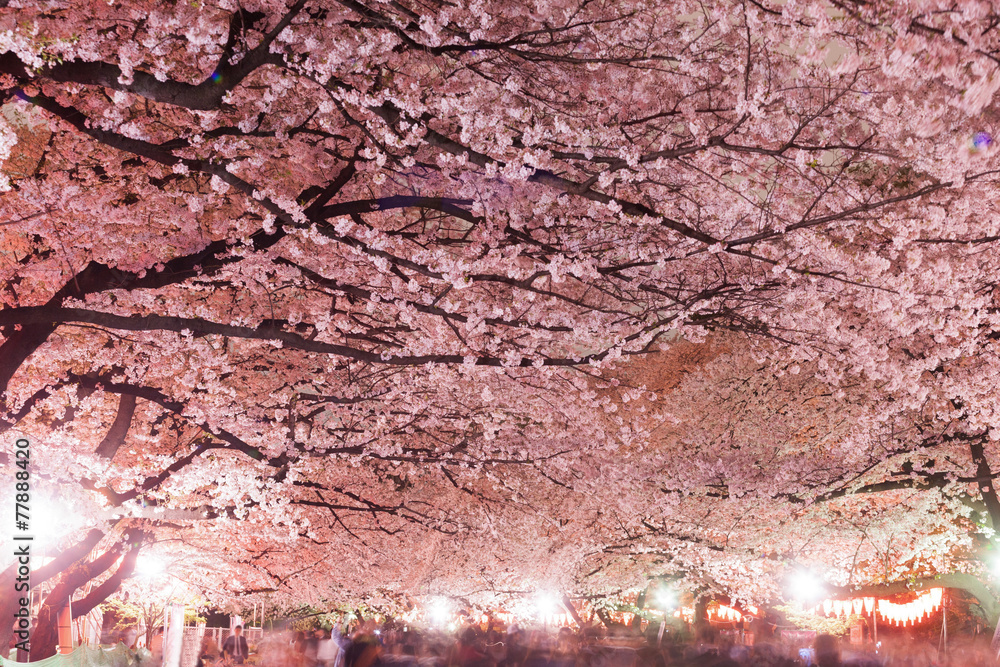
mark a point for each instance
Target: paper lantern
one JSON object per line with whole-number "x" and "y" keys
{"x": 858, "y": 605}
{"x": 869, "y": 604}
{"x": 936, "y": 595}
{"x": 827, "y": 607}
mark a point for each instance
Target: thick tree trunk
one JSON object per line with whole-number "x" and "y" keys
{"x": 45, "y": 634}
{"x": 640, "y": 604}
{"x": 110, "y": 585}
{"x": 8, "y": 603}
{"x": 66, "y": 558}
{"x": 115, "y": 437}
{"x": 571, "y": 608}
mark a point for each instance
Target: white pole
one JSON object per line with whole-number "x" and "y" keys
{"x": 173, "y": 637}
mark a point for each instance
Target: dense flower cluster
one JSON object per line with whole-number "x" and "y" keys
{"x": 498, "y": 296}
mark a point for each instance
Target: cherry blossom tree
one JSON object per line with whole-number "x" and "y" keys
{"x": 366, "y": 277}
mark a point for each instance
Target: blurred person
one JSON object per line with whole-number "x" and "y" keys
{"x": 210, "y": 647}
{"x": 327, "y": 651}
{"x": 208, "y": 652}
{"x": 496, "y": 649}
{"x": 299, "y": 649}
{"x": 311, "y": 648}
{"x": 364, "y": 650}
{"x": 564, "y": 653}
{"x": 539, "y": 650}
{"x": 430, "y": 655}
{"x": 467, "y": 652}
{"x": 650, "y": 655}
{"x": 827, "y": 651}
{"x": 235, "y": 648}
{"x": 517, "y": 651}
{"x": 588, "y": 651}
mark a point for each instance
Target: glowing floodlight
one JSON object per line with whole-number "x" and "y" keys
{"x": 439, "y": 611}
{"x": 665, "y": 599}
{"x": 149, "y": 565}
{"x": 806, "y": 586}
{"x": 52, "y": 518}
{"x": 545, "y": 604}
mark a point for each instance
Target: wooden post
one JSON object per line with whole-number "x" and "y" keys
{"x": 943, "y": 644}
{"x": 66, "y": 628}
{"x": 875, "y": 623}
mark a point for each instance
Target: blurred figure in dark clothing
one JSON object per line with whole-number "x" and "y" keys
{"x": 363, "y": 651}
{"x": 650, "y": 655}
{"x": 827, "y": 651}
{"x": 517, "y": 651}
{"x": 467, "y": 652}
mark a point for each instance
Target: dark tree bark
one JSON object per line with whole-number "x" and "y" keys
{"x": 110, "y": 585}
{"x": 8, "y": 603}
{"x": 115, "y": 437}
{"x": 604, "y": 618}
{"x": 571, "y": 608}
{"x": 45, "y": 635}
{"x": 986, "y": 486}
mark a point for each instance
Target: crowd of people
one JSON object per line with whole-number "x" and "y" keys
{"x": 394, "y": 645}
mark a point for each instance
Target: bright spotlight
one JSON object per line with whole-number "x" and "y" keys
{"x": 52, "y": 518}
{"x": 665, "y": 599}
{"x": 545, "y": 604}
{"x": 439, "y": 611}
{"x": 149, "y": 565}
{"x": 806, "y": 586}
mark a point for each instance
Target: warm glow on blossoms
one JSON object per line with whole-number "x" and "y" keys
{"x": 473, "y": 300}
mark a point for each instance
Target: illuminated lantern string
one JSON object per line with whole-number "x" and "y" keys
{"x": 725, "y": 613}
{"x": 924, "y": 605}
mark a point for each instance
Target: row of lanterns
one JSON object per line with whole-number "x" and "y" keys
{"x": 910, "y": 612}
{"x": 848, "y": 607}
{"x": 726, "y": 613}
{"x": 926, "y": 603}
